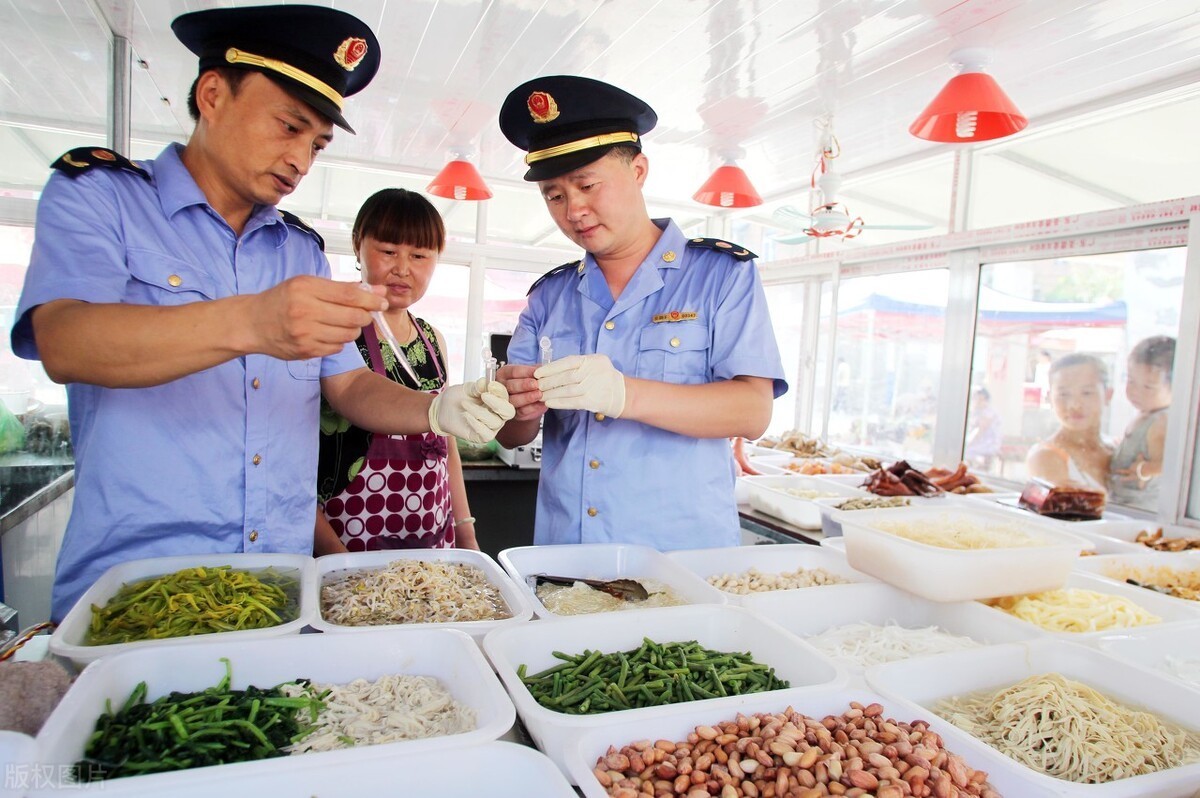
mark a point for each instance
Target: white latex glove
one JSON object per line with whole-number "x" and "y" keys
{"x": 472, "y": 411}
{"x": 582, "y": 382}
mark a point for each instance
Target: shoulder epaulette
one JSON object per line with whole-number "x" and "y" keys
{"x": 77, "y": 161}
{"x": 575, "y": 264}
{"x": 733, "y": 250}
{"x": 296, "y": 221}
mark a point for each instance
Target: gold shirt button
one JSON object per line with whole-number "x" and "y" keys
{"x": 669, "y": 256}
{"x": 610, "y": 325}
{"x": 256, "y": 459}
{"x": 175, "y": 281}
{"x": 593, "y": 512}
{"x": 600, "y": 416}
{"x": 255, "y": 383}
{"x": 675, "y": 342}
{"x": 253, "y": 535}
{"x": 594, "y": 464}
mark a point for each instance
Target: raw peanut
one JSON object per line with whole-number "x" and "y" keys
{"x": 749, "y": 789}
{"x": 781, "y": 782}
{"x": 665, "y": 745}
{"x": 749, "y": 765}
{"x": 636, "y": 763}
{"x": 809, "y": 758}
{"x": 863, "y": 778}
{"x": 625, "y": 792}
{"x": 720, "y": 755}
{"x": 706, "y": 732}
{"x": 602, "y": 777}
{"x": 835, "y": 769}
{"x": 791, "y": 758}
{"x": 697, "y": 792}
{"x": 617, "y": 762}
{"x": 890, "y": 791}
{"x": 942, "y": 788}
{"x": 957, "y": 771}
{"x": 704, "y": 762}
{"x": 779, "y": 749}
{"x": 837, "y": 788}
{"x": 682, "y": 783}
{"x": 764, "y": 759}
{"x": 873, "y": 711}
{"x": 726, "y": 739}
{"x": 806, "y": 778}
{"x": 812, "y": 793}
{"x": 666, "y": 771}
{"x": 735, "y": 769}
{"x": 729, "y": 791}
{"x": 699, "y": 777}
{"x": 879, "y": 760}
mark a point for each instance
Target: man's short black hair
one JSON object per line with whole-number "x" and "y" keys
{"x": 233, "y": 77}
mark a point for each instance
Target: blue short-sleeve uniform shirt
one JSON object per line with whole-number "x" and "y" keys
{"x": 223, "y": 460}
{"x": 690, "y": 315}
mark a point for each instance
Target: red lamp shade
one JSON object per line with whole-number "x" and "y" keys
{"x": 460, "y": 180}
{"x": 971, "y": 107}
{"x": 728, "y": 188}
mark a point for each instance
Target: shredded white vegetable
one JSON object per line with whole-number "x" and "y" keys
{"x": 1186, "y": 669}
{"x": 384, "y": 711}
{"x": 1076, "y": 610}
{"x": 865, "y": 644}
{"x": 1068, "y": 730}
{"x": 755, "y": 581}
{"x": 412, "y": 591}
{"x": 580, "y": 599}
{"x": 958, "y": 532}
{"x": 801, "y": 493}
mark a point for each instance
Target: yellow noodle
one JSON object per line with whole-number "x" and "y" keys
{"x": 1068, "y": 730}
{"x": 1076, "y": 610}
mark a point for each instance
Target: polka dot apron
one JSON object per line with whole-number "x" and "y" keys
{"x": 401, "y": 497}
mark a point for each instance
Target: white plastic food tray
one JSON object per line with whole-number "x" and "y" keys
{"x": 719, "y": 628}
{"x": 494, "y": 769}
{"x": 927, "y": 681}
{"x": 69, "y": 638}
{"x": 18, "y": 755}
{"x": 1149, "y": 647}
{"x": 581, "y": 757}
{"x": 770, "y": 495}
{"x": 604, "y": 561}
{"x": 943, "y": 574}
{"x": 809, "y": 613}
{"x": 449, "y": 655}
{"x": 768, "y": 559}
{"x": 1115, "y": 566}
{"x": 333, "y": 564}
{"x": 1171, "y": 610}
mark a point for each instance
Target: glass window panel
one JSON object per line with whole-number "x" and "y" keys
{"x": 1034, "y": 313}
{"x": 888, "y": 362}
{"x": 786, "y": 305}
{"x": 504, "y": 297}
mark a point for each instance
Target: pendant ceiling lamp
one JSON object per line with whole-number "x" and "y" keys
{"x": 971, "y": 107}
{"x": 728, "y": 187}
{"x": 460, "y": 180}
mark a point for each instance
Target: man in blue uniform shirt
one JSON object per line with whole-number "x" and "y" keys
{"x": 194, "y": 323}
{"x": 662, "y": 346}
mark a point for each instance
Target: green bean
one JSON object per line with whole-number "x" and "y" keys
{"x": 195, "y": 601}
{"x": 650, "y": 675}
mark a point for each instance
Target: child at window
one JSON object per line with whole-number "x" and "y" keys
{"x": 1075, "y": 454}
{"x": 1139, "y": 458}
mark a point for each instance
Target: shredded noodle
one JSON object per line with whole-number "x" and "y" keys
{"x": 956, "y": 532}
{"x": 384, "y": 711}
{"x": 412, "y": 591}
{"x": 1076, "y": 610}
{"x": 865, "y": 644}
{"x": 1068, "y": 730}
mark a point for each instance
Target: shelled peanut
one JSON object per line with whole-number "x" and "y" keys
{"x": 790, "y": 755}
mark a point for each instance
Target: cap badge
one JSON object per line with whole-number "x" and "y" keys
{"x": 103, "y": 155}
{"x": 542, "y": 107}
{"x": 350, "y": 52}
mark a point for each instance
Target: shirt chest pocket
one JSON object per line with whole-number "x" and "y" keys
{"x": 159, "y": 279}
{"x": 675, "y": 353}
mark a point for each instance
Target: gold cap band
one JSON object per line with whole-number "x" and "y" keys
{"x": 581, "y": 144}
{"x": 236, "y": 56}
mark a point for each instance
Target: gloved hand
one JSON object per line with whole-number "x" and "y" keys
{"x": 582, "y": 382}
{"x": 472, "y": 411}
